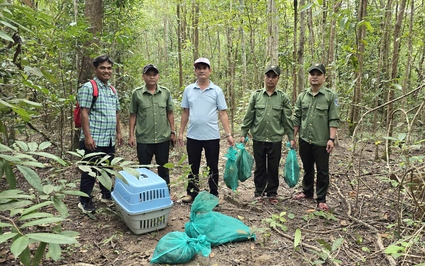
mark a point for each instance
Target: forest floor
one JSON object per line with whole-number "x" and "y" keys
{"x": 361, "y": 223}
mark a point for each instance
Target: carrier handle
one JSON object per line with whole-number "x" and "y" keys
{"x": 144, "y": 175}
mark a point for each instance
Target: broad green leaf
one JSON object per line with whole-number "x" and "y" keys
{"x": 10, "y": 176}
{"x": 19, "y": 245}
{"x": 116, "y": 160}
{"x": 105, "y": 180}
{"x": 324, "y": 244}
{"x": 47, "y": 220}
{"x": 126, "y": 163}
{"x": 5, "y": 148}
{"x": 6, "y": 236}
{"x": 47, "y": 189}
{"x": 5, "y": 36}
{"x": 393, "y": 249}
{"x": 22, "y": 113}
{"x": 33, "y": 146}
{"x": 16, "y": 205}
{"x": 60, "y": 206}
{"x": 70, "y": 233}
{"x": 7, "y": 24}
{"x": 31, "y": 176}
{"x": 54, "y": 252}
{"x": 50, "y": 156}
{"x": 76, "y": 154}
{"x": 337, "y": 243}
{"x": 297, "y": 238}
{"x": 104, "y": 159}
{"x": 131, "y": 171}
{"x": 36, "y": 207}
{"x": 3, "y": 102}
{"x": 22, "y": 145}
{"x": 35, "y": 215}
{"x": 25, "y": 257}
{"x": 85, "y": 168}
{"x": 44, "y": 145}
{"x": 52, "y": 238}
{"x": 5, "y": 225}
{"x": 14, "y": 194}
{"x": 9, "y": 158}
{"x": 33, "y": 164}
{"x": 169, "y": 165}
{"x": 122, "y": 178}
{"x": 38, "y": 256}
{"x": 25, "y": 156}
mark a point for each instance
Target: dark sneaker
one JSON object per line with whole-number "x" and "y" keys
{"x": 86, "y": 207}
{"x": 106, "y": 198}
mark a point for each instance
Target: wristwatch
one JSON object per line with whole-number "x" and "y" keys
{"x": 173, "y": 132}
{"x": 333, "y": 140}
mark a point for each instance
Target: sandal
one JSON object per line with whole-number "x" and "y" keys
{"x": 301, "y": 195}
{"x": 273, "y": 200}
{"x": 322, "y": 206}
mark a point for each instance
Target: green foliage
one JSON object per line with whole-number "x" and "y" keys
{"x": 327, "y": 250}
{"x": 277, "y": 221}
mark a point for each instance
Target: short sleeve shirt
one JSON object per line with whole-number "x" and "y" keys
{"x": 203, "y": 108}
{"x": 315, "y": 114}
{"x": 152, "y": 125}
{"x": 103, "y": 114}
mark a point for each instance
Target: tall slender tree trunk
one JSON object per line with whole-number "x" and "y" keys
{"x": 94, "y": 14}
{"x": 394, "y": 62}
{"x": 272, "y": 33}
{"x": 300, "y": 53}
{"x": 179, "y": 44}
{"x": 195, "y": 30}
{"x": 361, "y": 32}
{"x": 332, "y": 75}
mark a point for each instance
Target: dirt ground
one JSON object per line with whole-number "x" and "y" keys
{"x": 362, "y": 217}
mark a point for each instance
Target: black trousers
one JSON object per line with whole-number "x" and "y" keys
{"x": 87, "y": 182}
{"x": 145, "y": 153}
{"x": 194, "y": 151}
{"x": 266, "y": 175}
{"x": 315, "y": 155}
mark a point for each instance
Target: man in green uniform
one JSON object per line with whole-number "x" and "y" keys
{"x": 152, "y": 121}
{"x": 316, "y": 119}
{"x": 269, "y": 117}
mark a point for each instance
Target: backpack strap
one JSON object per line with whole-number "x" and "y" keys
{"x": 96, "y": 92}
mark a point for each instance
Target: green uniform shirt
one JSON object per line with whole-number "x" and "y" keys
{"x": 268, "y": 117}
{"x": 316, "y": 114}
{"x": 152, "y": 124}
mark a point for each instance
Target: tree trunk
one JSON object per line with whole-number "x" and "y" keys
{"x": 394, "y": 64}
{"x": 94, "y": 15}
{"x": 332, "y": 75}
{"x": 272, "y": 33}
{"x": 179, "y": 44}
{"x": 361, "y": 33}
{"x": 300, "y": 84}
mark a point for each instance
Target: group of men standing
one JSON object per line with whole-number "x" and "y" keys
{"x": 268, "y": 117}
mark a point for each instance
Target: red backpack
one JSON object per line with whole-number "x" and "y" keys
{"x": 77, "y": 119}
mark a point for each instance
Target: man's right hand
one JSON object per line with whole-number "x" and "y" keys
{"x": 89, "y": 143}
{"x": 132, "y": 142}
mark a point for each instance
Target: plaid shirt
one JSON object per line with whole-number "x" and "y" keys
{"x": 102, "y": 116}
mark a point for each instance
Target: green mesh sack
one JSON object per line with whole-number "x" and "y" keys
{"x": 231, "y": 171}
{"x": 178, "y": 247}
{"x": 292, "y": 169}
{"x": 218, "y": 228}
{"x": 244, "y": 162}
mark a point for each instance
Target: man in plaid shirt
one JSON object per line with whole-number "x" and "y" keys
{"x": 100, "y": 125}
